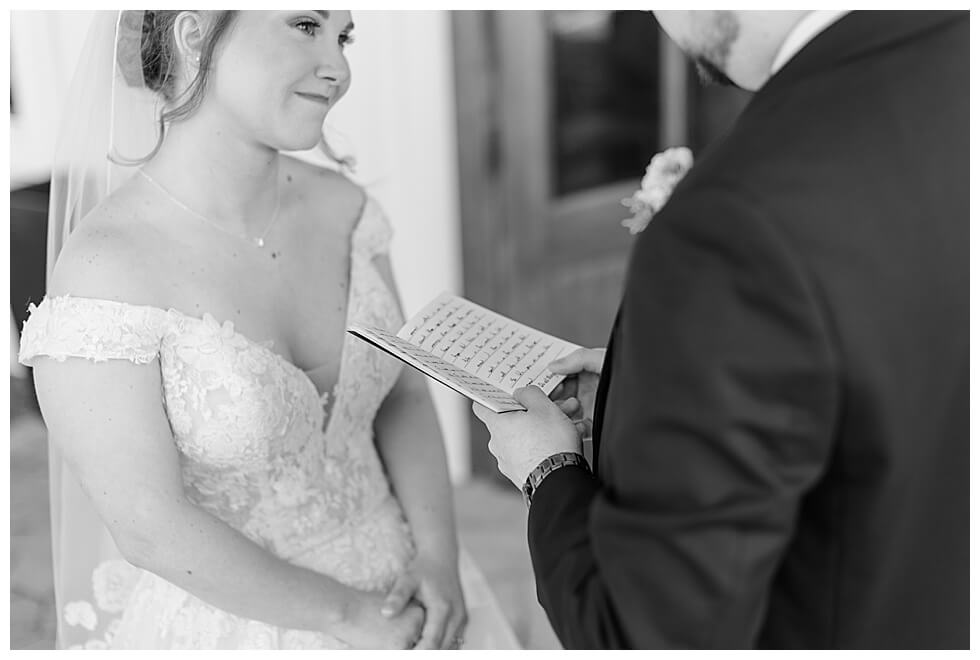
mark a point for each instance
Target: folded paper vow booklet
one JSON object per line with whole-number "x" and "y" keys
{"x": 481, "y": 354}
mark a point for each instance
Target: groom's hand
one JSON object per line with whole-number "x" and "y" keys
{"x": 582, "y": 368}
{"x": 521, "y": 440}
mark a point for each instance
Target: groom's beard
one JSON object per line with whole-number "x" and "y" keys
{"x": 711, "y": 74}
{"x": 716, "y": 34}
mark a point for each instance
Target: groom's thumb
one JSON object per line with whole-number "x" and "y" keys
{"x": 532, "y": 397}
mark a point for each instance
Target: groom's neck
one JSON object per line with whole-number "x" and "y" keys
{"x": 761, "y": 35}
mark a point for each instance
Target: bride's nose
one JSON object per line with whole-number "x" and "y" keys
{"x": 333, "y": 68}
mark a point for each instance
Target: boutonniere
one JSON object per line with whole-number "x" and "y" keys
{"x": 664, "y": 172}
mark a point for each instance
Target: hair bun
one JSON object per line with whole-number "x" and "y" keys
{"x": 129, "y": 47}
{"x": 155, "y": 55}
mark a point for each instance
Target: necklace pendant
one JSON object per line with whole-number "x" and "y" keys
{"x": 259, "y": 242}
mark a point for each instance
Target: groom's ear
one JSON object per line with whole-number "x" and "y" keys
{"x": 190, "y": 29}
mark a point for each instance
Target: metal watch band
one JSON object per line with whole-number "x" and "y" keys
{"x": 546, "y": 467}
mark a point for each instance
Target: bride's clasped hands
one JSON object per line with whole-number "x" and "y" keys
{"x": 435, "y": 584}
{"x": 363, "y": 626}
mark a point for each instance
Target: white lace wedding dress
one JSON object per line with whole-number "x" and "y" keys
{"x": 261, "y": 449}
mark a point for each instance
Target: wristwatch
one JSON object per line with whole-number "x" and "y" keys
{"x": 546, "y": 467}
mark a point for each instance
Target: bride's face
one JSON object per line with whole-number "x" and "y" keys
{"x": 278, "y": 73}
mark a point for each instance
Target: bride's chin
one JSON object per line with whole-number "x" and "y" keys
{"x": 301, "y": 141}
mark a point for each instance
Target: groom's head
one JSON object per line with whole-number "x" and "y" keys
{"x": 730, "y": 47}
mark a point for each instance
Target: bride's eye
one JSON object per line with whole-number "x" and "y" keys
{"x": 346, "y": 39}
{"x": 307, "y": 25}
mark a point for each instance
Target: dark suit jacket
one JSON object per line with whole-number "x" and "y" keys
{"x": 782, "y": 423}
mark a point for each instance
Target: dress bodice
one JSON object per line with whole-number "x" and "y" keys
{"x": 294, "y": 470}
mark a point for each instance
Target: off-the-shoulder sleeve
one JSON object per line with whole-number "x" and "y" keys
{"x": 372, "y": 235}
{"x": 95, "y": 329}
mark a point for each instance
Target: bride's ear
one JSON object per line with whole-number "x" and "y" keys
{"x": 190, "y": 30}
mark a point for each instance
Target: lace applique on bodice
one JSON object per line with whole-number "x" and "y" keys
{"x": 257, "y": 447}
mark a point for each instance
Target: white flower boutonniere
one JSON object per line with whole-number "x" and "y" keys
{"x": 664, "y": 172}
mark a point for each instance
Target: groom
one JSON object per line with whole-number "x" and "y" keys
{"x": 781, "y": 441}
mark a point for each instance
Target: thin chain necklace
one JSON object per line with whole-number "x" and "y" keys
{"x": 257, "y": 241}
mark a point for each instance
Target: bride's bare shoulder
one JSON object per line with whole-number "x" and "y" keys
{"x": 324, "y": 189}
{"x": 112, "y": 252}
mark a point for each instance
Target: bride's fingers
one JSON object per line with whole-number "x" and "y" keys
{"x": 455, "y": 630}
{"x": 436, "y": 619}
{"x": 399, "y": 595}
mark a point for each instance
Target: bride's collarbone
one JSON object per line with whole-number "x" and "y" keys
{"x": 296, "y": 299}
{"x": 311, "y": 343}
{"x": 304, "y": 320}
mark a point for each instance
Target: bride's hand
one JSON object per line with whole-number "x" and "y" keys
{"x": 436, "y": 585}
{"x": 364, "y": 627}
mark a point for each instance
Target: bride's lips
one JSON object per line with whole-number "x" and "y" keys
{"x": 316, "y": 98}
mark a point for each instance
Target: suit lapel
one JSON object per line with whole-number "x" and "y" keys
{"x": 600, "y": 396}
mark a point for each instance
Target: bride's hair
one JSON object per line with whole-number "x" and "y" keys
{"x": 147, "y": 56}
{"x": 158, "y": 58}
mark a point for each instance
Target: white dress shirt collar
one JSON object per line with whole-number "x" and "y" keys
{"x": 809, "y": 27}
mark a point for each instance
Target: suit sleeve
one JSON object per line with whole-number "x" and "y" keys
{"x": 718, "y": 418}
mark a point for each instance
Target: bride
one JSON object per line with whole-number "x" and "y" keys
{"x": 239, "y": 473}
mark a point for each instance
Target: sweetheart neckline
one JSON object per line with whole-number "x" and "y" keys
{"x": 264, "y": 345}
{"x": 260, "y": 345}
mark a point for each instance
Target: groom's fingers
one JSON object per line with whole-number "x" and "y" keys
{"x": 402, "y": 592}
{"x": 570, "y": 407}
{"x": 583, "y": 359}
{"x": 565, "y": 389}
{"x": 584, "y": 429}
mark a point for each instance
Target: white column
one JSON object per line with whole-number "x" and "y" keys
{"x": 399, "y": 119}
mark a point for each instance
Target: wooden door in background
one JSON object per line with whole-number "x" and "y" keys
{"x": 559, "y": 113}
